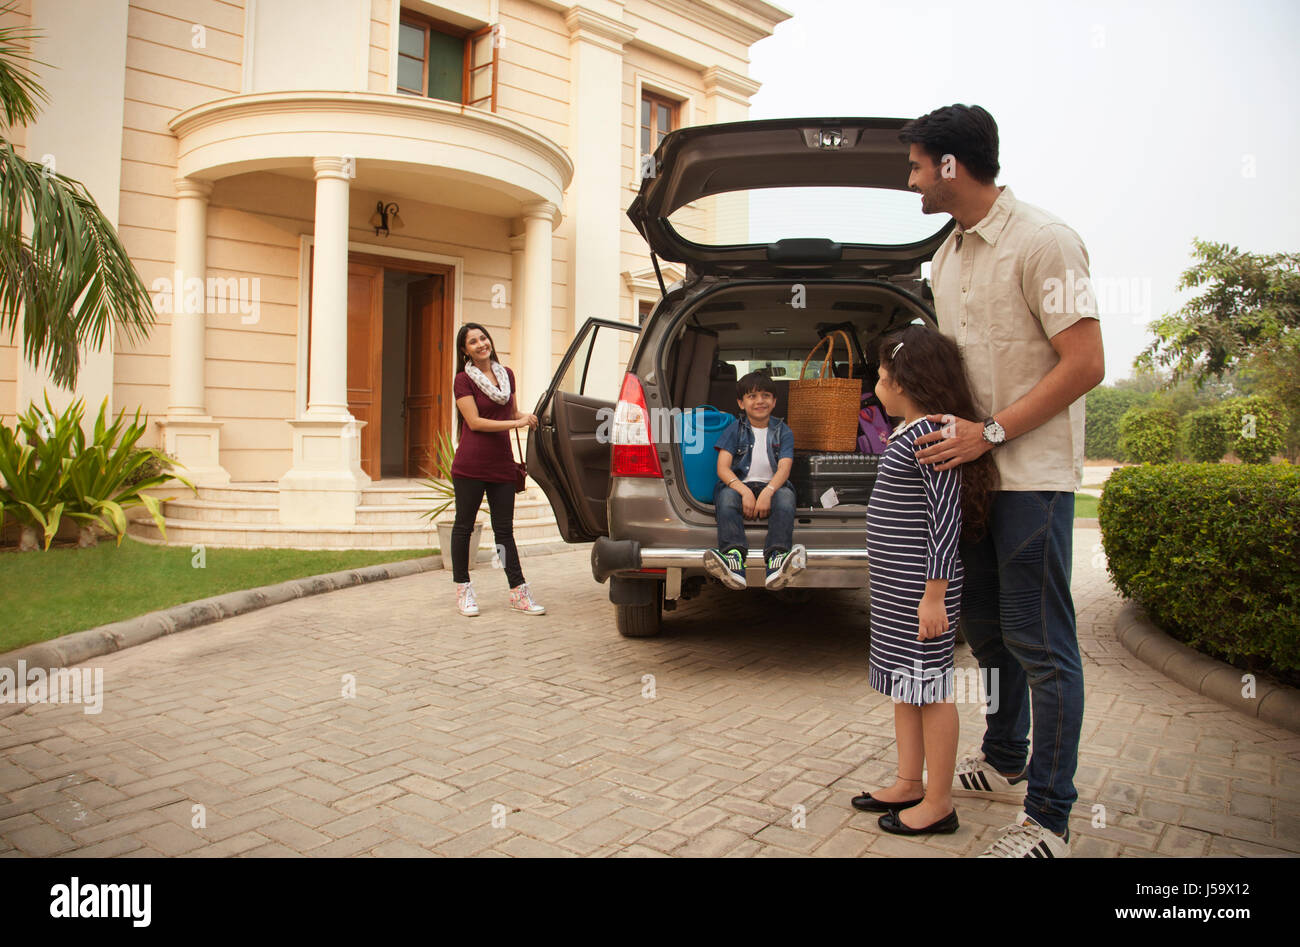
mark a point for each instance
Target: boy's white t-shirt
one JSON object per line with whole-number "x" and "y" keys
{"x": 760, "y": 468}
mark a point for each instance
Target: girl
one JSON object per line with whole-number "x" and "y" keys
{"x": 484, "y": 462}
{"x": 914, "y": 520}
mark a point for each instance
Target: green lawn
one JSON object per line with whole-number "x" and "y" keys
{"x": 1085, "y": 506}
{"x": 47, "y": 594}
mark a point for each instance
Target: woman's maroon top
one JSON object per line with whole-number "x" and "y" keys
{"x": 484, "y": 455}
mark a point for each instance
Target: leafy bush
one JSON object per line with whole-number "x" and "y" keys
{"x": 1209, "y": 550}
{"x": 1147, "y": 435}
{"x": 50, "y": 471}
{"x": 1103, "y": 408}
{"x": 1256, "y": 428}
{"x": 35, "y": 475}
{"x": 1206, "y": 436}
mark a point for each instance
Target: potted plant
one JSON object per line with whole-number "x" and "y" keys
{"x": 442, "y": 494}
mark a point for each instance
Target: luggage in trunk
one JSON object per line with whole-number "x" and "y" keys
{"x": 851, "y": 475}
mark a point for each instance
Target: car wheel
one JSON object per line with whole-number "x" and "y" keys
{"x": 640, "y": 621}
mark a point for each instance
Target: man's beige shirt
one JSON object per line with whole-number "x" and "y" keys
{"x": 1002, "y": 289}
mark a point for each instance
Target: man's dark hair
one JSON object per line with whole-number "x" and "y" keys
{"x": 967, "y": 132}
{"x": 755, "y": 381}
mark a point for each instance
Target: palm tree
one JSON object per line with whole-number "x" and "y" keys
{"x": 69, "y": 275}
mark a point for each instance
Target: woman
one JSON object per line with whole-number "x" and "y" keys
{"x": 484, "y": 463}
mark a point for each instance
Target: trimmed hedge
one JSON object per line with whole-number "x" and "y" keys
{"x": 1102, "y": 411}
{"x": 1207, "y": 438}
{"x": 1147, "y": 434}
{"x": 1212, "y": 552}
{"x": 1255, "y": 427}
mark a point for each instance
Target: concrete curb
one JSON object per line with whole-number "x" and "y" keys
{"x": 83, "y": 645}
{"x": 1273, "y": 703}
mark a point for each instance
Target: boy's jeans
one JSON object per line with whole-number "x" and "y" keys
{"x": 731, "y": 518}
{"x": 1018, "y": 618}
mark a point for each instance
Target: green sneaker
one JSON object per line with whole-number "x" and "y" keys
{"x": 728, "y": 568}
{"x": 783, "y": 566}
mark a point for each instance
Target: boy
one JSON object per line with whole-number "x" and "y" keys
{"x": 755, "y": 455}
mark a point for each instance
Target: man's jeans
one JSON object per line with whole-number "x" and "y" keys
{"x": 1018, "y": 617}
{"x": 731, "y": 519}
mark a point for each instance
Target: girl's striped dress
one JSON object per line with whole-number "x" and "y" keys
{"x": 913, "y": 526}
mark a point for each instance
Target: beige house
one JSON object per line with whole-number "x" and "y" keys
{"x": 320, "y": 192}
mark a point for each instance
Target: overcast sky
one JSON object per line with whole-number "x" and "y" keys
{"x": 1141, "y": 125}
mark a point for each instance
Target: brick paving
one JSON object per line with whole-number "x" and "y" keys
{"x": 742, "y": 731}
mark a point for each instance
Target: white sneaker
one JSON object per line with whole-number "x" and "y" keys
{"x": 974, "y": 777}
{"x": 1025, "y": 838}
{"x": 465, "y": 600}
{"x": 521, "y": 600}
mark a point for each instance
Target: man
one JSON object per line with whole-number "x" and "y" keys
{"x": 1011, "y": 287}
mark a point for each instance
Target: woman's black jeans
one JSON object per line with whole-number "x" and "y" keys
{"x": 501, "y": 504}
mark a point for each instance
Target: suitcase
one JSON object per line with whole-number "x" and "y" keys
{"x": 852, "y": 476}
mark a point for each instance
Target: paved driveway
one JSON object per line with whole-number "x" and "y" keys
{"x": 515, "y": 735}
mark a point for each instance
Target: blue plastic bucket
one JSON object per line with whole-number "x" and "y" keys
{"x": 700, "y": 428}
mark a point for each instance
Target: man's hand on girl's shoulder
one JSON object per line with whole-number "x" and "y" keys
{"x": 957, "y": 442}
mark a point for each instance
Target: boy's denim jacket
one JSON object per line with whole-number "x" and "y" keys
{"x": 738, "y": 440}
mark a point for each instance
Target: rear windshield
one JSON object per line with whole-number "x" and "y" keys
{"x": 863, "y": 215}
{"x": 780, "y": 364}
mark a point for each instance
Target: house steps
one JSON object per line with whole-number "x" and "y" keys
{"x": 247, "y": 515}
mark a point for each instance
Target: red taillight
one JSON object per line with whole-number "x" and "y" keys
{"x": 633, "y": 453}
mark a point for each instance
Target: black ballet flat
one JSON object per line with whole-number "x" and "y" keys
{"x": 867, "y": 803}
{"x": 891, "y": 823}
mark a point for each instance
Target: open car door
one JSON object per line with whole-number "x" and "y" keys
{"x": 569, "y": 454}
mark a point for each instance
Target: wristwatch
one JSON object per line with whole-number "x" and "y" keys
{"x": 994, "y": 433}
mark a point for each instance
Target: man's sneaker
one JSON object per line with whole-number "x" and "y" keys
{"x": 465, "y": 600}
{"x": 728, "y": 568}
{"x": 784, "y": 566}
{"x": 1025, "y": 838}
{"x": 975, "y": 777}
{"x": 521, "y": 600}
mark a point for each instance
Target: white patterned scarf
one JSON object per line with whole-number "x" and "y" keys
{"x": 500, "y": 392}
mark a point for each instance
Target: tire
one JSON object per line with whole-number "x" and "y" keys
{"x": 640, "y": 621}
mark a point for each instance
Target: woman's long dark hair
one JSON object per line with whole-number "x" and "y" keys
{"x": 930, "y": 371}
{"x": 465, "y": 360}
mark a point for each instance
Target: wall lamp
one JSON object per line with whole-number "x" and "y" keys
{"x": 386, "y": 217}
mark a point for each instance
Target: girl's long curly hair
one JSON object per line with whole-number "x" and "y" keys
{"x": 930, "y": 371}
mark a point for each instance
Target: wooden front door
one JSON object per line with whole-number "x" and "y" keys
{"x": 365, "y": 358}
{"x": 428, "y": 386}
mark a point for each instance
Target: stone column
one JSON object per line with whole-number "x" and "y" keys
{"x": 324, "y": 485}
{"x": 595, "y": 198}
{"x": 516, "y": 360}
{"x": 327, "y": 390}
{"x": 189, "y": 434}
{"x": 539, "y": 220}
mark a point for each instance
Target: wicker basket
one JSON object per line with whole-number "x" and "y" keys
{"x": 823, "y": 412}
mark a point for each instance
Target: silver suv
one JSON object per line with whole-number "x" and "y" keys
{"x": 788, "y": 230}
